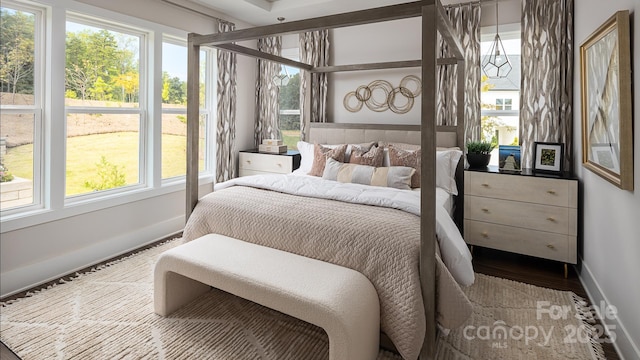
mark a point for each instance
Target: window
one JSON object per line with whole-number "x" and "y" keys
{"x": 99, "y": 142}
{"x": 289, "y": 100}
{"x": 21, "y": 63}
{"x": 174, "y": 107}
{"x": 500, "y": 97}
{"x": 103, "y": 96}
{"x": 504, "y": 104}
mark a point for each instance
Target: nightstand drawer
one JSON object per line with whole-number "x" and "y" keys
{"x": 530, "y": 216}
{"x": 267, "y": 163}
{"x": 523, "y": 241}
{"x": 557, "y": 192}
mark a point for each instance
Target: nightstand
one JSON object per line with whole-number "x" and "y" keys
{"x": 524, "y": 213}
{"x": 253, "y": 162}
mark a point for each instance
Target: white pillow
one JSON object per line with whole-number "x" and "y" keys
{"x": 306, "y": 156}
{"x": 398, "y": 177}
{"x": 446, "y": 164}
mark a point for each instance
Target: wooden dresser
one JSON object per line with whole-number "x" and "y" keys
{"x": 253, "y": 162}
{"x": 522, "y": 213}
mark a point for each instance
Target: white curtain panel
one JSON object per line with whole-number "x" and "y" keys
{"x": 314, "y": 50}
{"x": 226, "y": 123}
{"x": 267, "y": 92}
{"x": 465, "y": 19}
{"x": 546, "y": 91}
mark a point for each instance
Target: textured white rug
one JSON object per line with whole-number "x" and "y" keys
{"x": 108, "y": 314}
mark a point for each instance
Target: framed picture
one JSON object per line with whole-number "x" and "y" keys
{"x": 605, "y": 81}
{"x": 509, "y": 157}
{"x": 547, "y": 157}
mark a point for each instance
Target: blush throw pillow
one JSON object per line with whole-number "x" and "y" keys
{"x": 398, "y": 157}
{"x": 373, "y": 157}
{"x": 322, "y": 153}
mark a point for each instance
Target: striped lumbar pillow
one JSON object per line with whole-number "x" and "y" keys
{"x": 398, "y": 177}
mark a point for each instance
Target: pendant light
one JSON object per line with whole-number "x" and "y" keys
{"x": 496, "y": 63}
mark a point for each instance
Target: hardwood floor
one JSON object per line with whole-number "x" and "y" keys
{"x": 521, "y": 268}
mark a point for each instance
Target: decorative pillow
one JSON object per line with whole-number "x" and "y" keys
{"x": 320, "y": 155}
{"x": 399, "y": 157}
{"x": 373, "y": 157}
{"x": 398, "y": 177}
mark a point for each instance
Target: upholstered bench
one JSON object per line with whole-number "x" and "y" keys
{"x": 341, "y": 301}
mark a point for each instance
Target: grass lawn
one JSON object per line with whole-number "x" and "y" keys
{"x": 119, "y": 149}
{"x": 291, "y": 138}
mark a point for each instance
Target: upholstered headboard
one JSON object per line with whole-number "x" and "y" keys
{"x": 337, "y": 133}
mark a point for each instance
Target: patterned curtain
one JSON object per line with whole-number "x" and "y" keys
{"x": 314, "y": 50}
{"x": 546, "y": 91}
{"x": 465, "y": 19}
{"x": 226, "y": 125}
{"x": 267, "y": 91}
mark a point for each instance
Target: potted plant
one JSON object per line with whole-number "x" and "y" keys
{"x": 479, "y": 153}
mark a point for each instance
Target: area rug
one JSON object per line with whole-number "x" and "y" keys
{"x": 108, "y": 314}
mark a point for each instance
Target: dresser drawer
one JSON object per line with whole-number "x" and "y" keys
{"x": 530, "y": 216}
{"x": 557, "y": 192}
{"x": 266, "y": 163}
{"x": 523, "y": 241}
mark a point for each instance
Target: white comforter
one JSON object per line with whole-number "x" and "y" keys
{"x": 455, "y": 254}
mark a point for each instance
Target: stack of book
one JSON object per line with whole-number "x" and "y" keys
{"x": 272, "y": 146}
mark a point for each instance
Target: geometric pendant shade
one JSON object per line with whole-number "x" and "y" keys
{"x": 496, "y": 63}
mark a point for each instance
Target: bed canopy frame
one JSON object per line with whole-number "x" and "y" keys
{"x": 434, "y": 21}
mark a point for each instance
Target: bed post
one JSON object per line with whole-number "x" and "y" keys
{"x": 193, "y": 123}
{"x": 460, "y": 130}
{"x": 428, "y": 178}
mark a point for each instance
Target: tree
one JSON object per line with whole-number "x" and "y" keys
{"x": 174, "y": 90}
{"x": 101, "y": 65}
{"x": 16, "y": 52}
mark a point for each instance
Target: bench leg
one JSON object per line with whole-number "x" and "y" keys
{"x": 172, "y": 291}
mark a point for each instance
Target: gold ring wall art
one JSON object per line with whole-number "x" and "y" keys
{"x": 380, "y": 95}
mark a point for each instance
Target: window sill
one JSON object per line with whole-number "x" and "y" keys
{"x": 26, "y": 219}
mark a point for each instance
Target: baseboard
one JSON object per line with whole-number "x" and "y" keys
{"x": 27, "y": 277}
{"x": 624, "y": 344}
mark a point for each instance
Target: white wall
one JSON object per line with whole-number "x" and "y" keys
{"x": 37, "y": 249}
{"x": 610, "y": 252}
{"x": 397, "y": 40}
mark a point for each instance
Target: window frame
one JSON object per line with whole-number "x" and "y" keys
{"x": 507, "y": 32}
{"x": 209, "y": 104}
{"x": 140, "y": 110}
{"x": 37, "y": 109}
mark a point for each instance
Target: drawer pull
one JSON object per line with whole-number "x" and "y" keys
{"x": 485, "y": 234}
{"x": 248, "y": 161}
{"x": 279, "y": 164}
{"x": 551, "y": 192}
{"x": 550, "y": 246}
{"x": 485, "y": 185}
{"x": 551, "y": 219}
{"x": 484, "y": 210}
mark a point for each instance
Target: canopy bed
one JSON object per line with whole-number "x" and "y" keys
{"x": 427, "y": 135}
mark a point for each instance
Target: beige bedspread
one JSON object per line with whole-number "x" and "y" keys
{"x": 381, "y": 243}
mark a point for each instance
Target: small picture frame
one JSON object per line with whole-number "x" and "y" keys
{"x": 548, "y": 157}
{"x": 509, "y": 158}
